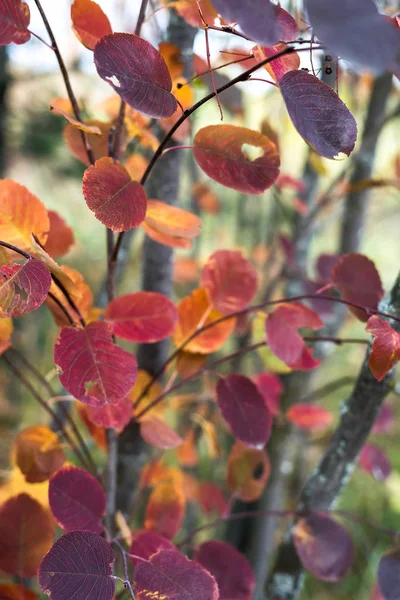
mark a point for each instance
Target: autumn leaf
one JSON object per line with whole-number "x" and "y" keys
{"x": 145, "y": 543}
{"x": 309, "y": 416}
{"x": 111, "y": 416}
{"x": 157, "y": 433}
{"x": 60, "y": 237}
{"x": 14, "y": 21}
{"x": 165, "y": 509}
{"x": 23, "y": 288}
{"x": 385, "y": 350}
{"x": 89, "y": 22}
{"x": 99, "y": 144}
{"x": 38, "y": 453}
{"x": 171, "y": 220}
{"x": 248, "y": 472}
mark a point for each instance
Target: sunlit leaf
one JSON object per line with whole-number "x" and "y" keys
{"x": 99, "y": 144}
{"x": 165, "y": 509}
{"x": 231, "y": 570}
{"x": 88, "y": 357}
{"x": 22, "y": 214}
{"x": 171, "y": 220}
{"x": 248, "y": 472}
{"x": 26, "y": 534}
{"x": 145, "y": 543}
{"x": 137, "y": 72}
{"x": 142, "y": 381}
{"x": 375, "y": 462}
{"x": 358, "y": 281}
{"x": 6, "y": 329}
{"x": 166, "y": 240}
{"x": 81, "y": 294}
{"x": 77, "y": 500}
{"x": 324, "y": 547}
{"x": 136, "y": 166}
{"x": 15, "y": 483}
{"x": 244, "y": 409}
{"x": 23, "y": 288}
{"x": 14, "y": 21}
{"x": 192, "y": 310}
{"x": 239, "y": 158}
{"x": 171, "y": 576}
{"x": 278, "y": 67}
{"x": 78, "y": 124}
{"x": 61, "y": 236}
{"x": 142, "y": 317}
{"x": 172, "y": 55}
{"x": 157, "y": 433}
{"x": 38, "y": 453}
{"x": 282, "y": 326}
{"x": 309, "y": 416}
{"x": 230, "y": 279}
{"x": 78, "y": 563}
{"x": 319, "y": 115}
{"x": 188, "y": 10}
{"x": 89, "y": 22}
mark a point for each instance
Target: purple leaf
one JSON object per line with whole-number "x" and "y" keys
{"x": 137, "y": 72}
{"x": 318, "y": 114}
{"x": 77, "y": 500}
{"x": 145, "y": 543}
{"x": 356, "y": 32}
{"x": 389, "y": 575}
{"x": 78, "y": 566}
{"x": 244, "y": 409}
{"x": 258, "y": 20}
{"x": 375, "y": 462}
{"x": 232, "y": 571}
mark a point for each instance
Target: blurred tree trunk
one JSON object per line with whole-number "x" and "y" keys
{"x": 4, "y": 81}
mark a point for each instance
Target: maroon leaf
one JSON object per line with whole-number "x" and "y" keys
{"x": 142, "y": 317}
{"x": 244, "y": 409}
{"x": 324, "y": 267}
{"x": 172, "y": 576}
{"x": 146, "y": 543}
{"x": 78, "y": 566}
{"x": 232, "y": 571}
{"x": 271, "y": 388}
{"x": 358, "y": 281}
{"x": 219, "y": 151}
{"x": 14, "y": 20}
{"x": 375, "y": 462}
{"x": 111, "y": 416}
{"x": 116, "y": 200}
{"x": 258, "y": 20}
{"x": 77, "y": 500}
{"x": 87, "y": 358}
{"x": 159, "y": 434}
{"x": 23, "y": 288}
{"x": 137, "y": 72}
{"x": 318, "y": 114}
{"x": 324, "y": 547}
{"x": 230, "y": 279}
{"x": 345, "y": 26}
{"x": 385, "y": 421}
{"x": 389, "y": 575}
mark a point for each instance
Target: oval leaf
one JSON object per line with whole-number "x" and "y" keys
{"x": 218, "y": 150}
{"x": 171, "y": 220}
{"x": 89, "y": 22}
{"x": 231, "y": 570}
{"x": 171, "y": 576}
{"x": 157, "y": 433}
{"x": 32, "y": 279}
{"x": 137, "y": 72}
{"x": 324, "y": 547}
{"x": 142, "y": 317}
{"x": 38, "y": 453}
{"x": 389, "y": 575}
{"x": 248, "y": 472}
{"x": 271, "y": 388}
{"x": 319, "y": 115}
{"x": 309, "y": 416}
{"x": 385, "y": 352}
{"x": 88, "y": 356}
{"x": 78, "y": 563}
{"x": 99, "y": 144}
{"x": 116, "y": 200}
{"x": 244, "y": 409}
{"x": 230, "y": 279}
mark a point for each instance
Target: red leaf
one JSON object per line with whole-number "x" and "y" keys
{"x": 157, "y": 433}
{"x": 88, "y": 356}
{"x": 142, "y": 317}
{"x": 137, "y": 72}
{"x": 230, "y": 279}
{"x": 212, "y": 499}
{"x": 389, "y": 575}
{"x": 385, "y": 350}
{"x": 78, "y": 566}
{"x": 165, "y": 509}
{"x": 278, "y": 67}
{"x": 14, "y": 20}
{"x": 172, "y": 576}
{"x": 26, "y": 534}
{"x": 375, "y": 462}
{"x": 324, "y": 547}
{"x": 244, "y": 409}
{"x": 60, "y": 238}
{"x": 89, "y": 22}
{"x": 33, "y": 279}
{"x": 283, "y": 339}
{"x": 358, "y": 281}
{"x": 77, "y": 500}
{"x": 116, "y": 200}
{"x": 111, "y": 416}
{"x": 271, "y": 388}
{"x": 146, "y": 543}
{"x": 309, "y": 416}
{"x": 218, "y": 149}
{"x": 318, "y": 114}
{"x": 231, "y": 570}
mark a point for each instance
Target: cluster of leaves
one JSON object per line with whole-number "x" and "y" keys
{"x": 104, "y": 378}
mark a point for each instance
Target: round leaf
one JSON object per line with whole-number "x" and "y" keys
{"x": 171, "y": 220}
{"x": 38, "y": 453}
{"x": 159, "y": 434}
{"x": 248, "y": 472}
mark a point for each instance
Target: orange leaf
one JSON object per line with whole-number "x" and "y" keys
{"x": 22, "y": 214}
{"x": 173, "y": 57}
{"x": 6, "y": 329}
{"x": 171, "y": 220}
{"x": 187, "y": 364}
{"x": 26, "y": 534}
{"x": 167, "y": 240}
{"x": 385, "y": 347}
{"x": 97, "y": 433}
{"x": 188, "y": 9}
{"x": 38, "y": 453}
{"x": 186, "y": 270}
{"x": 192, "y": 310}
{"x": 280, "y": 66}
{"x": 16, "y": 484}
{"x": 99, "y": 144}
{"x": 81, "y": 295}
{"x": 78, "y": 124}
{"x": 157, "y": 472}
{"x": 89, "y": 22}
{"x": 165, "y": 509}
{"x": 142, "y": 380}
{"x": 136, "y": 166}
{"x": 60, "y": 238}
{"x": 309, "y": 416}
{"x": 16, "y": 591}
{"x": 187, "y": 453}
{"x": 248, "y": 472}
{"x": 206, "y": 199}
